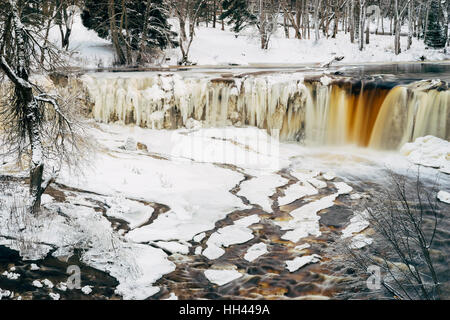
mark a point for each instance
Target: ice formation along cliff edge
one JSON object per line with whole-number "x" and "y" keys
{"x": 341, "y": 111}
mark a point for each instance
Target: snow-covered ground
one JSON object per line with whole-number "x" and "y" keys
{"x": 212, "y": 46}
{"x": 217, "y": 47}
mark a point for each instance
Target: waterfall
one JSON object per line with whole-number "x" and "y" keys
{"x": 364, "y": 113}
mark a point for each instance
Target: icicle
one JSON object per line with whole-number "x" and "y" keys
{"x": 318, "y": 113}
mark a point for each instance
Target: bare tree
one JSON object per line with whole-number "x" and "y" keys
{"x": 317, "y": 5}
{"x": 65, "y": 11}
{"x": 33, "y": 120}
{"x": 188, "y": 13}
{"x": 405, "y": 217}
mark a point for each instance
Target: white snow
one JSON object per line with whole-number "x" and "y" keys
{"x": 360, "y": 241}
{"x": 5, "y": 293}
{"x": 133, "y": 212}
{"x": 329, "y": 176}
{"x": 236, "y": 233}
{"x": 355, "y": 196}
{"x": 255, "y": 251}
{"x": 296, "y": 191}
{"x": 214, "y": 46}
{"x": 429, "y": 151}
{"x": 37, "y": 284}
{"x": 444, "y": 196}
{"x": 136, "y": 277}
{"x": 305, "y": 220}
{"x": 199, "y": 237}
{"x": 34, "y": 267}
{"x": 259, "y": 189}
{"x": 173, "y": 246}
{"x": 62, "y": 286}
{"x": 302, "y": 247}
{"x": 172, "y": 296}
{"x": 247, "y": 221}
{"x": 213, "y": 252}
{"x": 86, "y": 289}
{"x": 317, "y": 183}
{"x": 54, "y": 296}
{"x": 357, "y": 224}
{"x": 299, "y": 262}
{"x": 11, "y": 275}
{"x": 343, "y": 188}
{"x": 47, "y": 283}
{"x": 222, "y": 277}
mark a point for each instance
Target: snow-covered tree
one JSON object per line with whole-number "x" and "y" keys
{"x": 188, "y": 14}
{"x": 135, "y": 27}
{"x": 33, "y": 121}
{"x": 238, "y": 14}
{"x": 435, "y": 37}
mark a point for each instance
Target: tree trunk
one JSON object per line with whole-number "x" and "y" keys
{"x": 262, "y": 24}
{"x": 114, "y": 33}
{"x": 317, "y": 4}
{"x": 214, "y": 13}
{"x": 143, "y": 40}
{"x": 362, "y": 18}
{"x": 410, "y": 24}
{"x": 397, "y": 29}
{"x": 352, "y": 21}
{"x": 29, "y": 106}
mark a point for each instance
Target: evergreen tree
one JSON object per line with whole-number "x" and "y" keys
{"x": 238, "y": 14}
{"x": 435, "y": 37}
{"x": 132, "y": 17}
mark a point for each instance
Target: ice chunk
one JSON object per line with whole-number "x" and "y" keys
{"x": 444, "y": 196}
{"x": 221, "y": 277}
{"x": 299, "y": 262}
{"x": 255, "y": 251}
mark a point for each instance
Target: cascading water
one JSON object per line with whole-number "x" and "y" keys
{"x": 319, "y": 112}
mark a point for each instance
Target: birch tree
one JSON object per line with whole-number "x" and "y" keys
{"x": 188, "y": 13}
{"x": 25, "y": 117}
